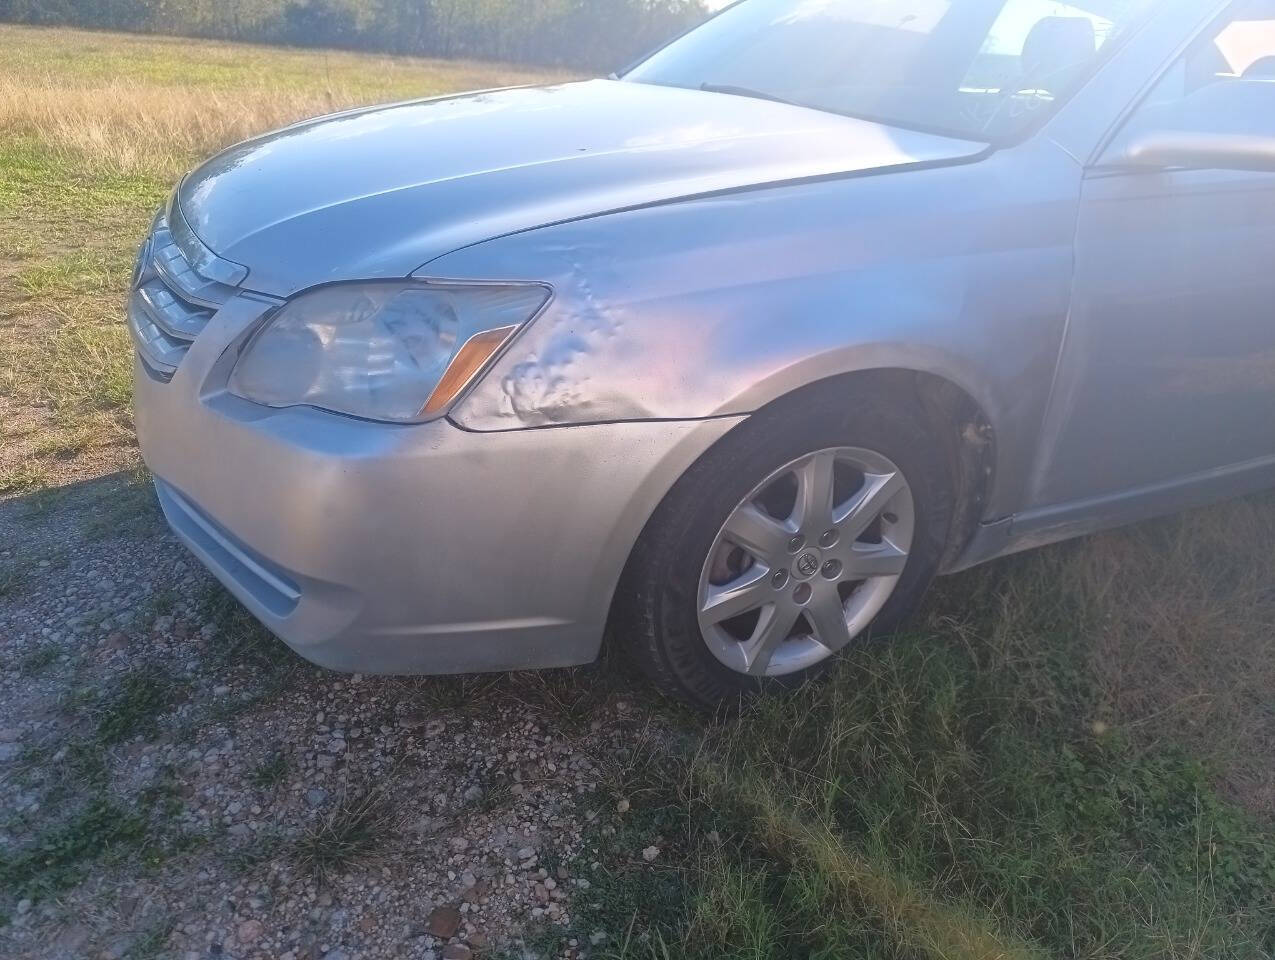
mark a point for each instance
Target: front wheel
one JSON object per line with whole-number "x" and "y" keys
{"x": 810, "y": 527}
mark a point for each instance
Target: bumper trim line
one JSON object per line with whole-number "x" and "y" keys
{"x": 185, "y": 515}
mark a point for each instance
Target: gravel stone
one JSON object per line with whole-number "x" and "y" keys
{"x": 443, "y": 922}
{"x": 494, "y": 805}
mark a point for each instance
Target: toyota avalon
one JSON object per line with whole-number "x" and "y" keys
{"x": 734, "y": 350}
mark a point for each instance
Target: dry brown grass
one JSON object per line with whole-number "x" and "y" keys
{"x": 129, "y": 126}
{"x": 1183, "y": 646}
{"x": 94, "y": 129}
{"x": 154, "y": 105}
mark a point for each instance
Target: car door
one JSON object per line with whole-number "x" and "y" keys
{"x": 1167, "y": 374}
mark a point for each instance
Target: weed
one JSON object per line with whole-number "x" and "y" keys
{"x": 357, "y": 824}
{"x": 128, "y": 509}
{"x": 26, "y": 475}
{"x": 15, "y": 575}
{"x": 42, "y": 656}
{"x": 135, "y": 705}
{"x": 945, "y": 796}
{"x": 271, "y": 771}
{"x": 262, "y": 848}
{"x": 140, "y": 113}
{"x": 242, "y": 641}
{"x": 153, "y": 941}
{"x": 87, "y": 364}
{"x": 61, "y": 857}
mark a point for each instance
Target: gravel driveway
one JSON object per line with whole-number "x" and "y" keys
{"x": 192, "y": 789}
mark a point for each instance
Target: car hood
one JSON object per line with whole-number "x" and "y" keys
{"x": 379, "y": 192}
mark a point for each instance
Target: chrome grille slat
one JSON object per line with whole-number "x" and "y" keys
{"x": 173, "y": 299}
{"x": 160, "y": 351}
{"x": 173, "y": 316}
{"x": 177, "y": 274}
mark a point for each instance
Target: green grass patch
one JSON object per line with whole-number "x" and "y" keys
{"x": 88, "y": 365}
{"x": 128, "y": 509}
{"x": 951, "y": 795}
{"x": 90, "y": 271}
{"x": 21, "y": 477}
{"x": 42, "y": 656}
{"x": 271, "y": 772}
{"x": 122, "y": 504}
{"x": 153, "y": 942}
{"x": 135, "y": 704}
{"x": 60, "y": 189}
{"x": 202, "y": 65}
{"x": 100, "y": 832}
{"x": 62, "y": 856}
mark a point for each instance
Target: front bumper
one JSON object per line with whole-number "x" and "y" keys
{"x": 403, "y": 549}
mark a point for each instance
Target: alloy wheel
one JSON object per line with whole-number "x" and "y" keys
{"x": 804, "y": 563}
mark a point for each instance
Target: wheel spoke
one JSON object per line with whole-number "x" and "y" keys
{"x": 827, "y": 617}
{"x": 813, "y": 511}
{"x": 857, "y": 514}
{"x": 773, "y": 626}
{"x": 761, "y": 535}
{"x": 866, "y": 560}
{"x": 747, "y": 592}
{"x": 784, "y": 571}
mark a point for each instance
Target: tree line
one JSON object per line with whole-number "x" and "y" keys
{"x": 589, "y": 34}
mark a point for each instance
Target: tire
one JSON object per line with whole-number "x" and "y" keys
{"x": 669, "y": 577}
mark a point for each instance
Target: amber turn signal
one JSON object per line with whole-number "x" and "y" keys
{"x": 469, "y": 359}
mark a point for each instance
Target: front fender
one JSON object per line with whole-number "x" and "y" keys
{"x": 720, "y": 305}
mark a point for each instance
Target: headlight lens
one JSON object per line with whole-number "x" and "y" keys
{"x": 385, "y": 351}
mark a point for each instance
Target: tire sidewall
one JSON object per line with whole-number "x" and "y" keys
{"x": 686, "y": 527}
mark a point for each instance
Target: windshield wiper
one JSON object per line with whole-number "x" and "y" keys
{"x": 743, "y": 92}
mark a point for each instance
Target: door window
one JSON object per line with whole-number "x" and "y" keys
{"x": 1242, "y": 49}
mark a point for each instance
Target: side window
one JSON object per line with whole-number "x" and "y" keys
{"x": 1224, "y": 84}
{"x": 1243, "y": 49}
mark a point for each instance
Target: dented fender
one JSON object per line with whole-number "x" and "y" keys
{"x": 718, "y": 305}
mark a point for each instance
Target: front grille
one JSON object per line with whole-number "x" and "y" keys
{"x": 179, "y": 286}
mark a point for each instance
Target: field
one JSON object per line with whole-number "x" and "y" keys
{"x": 1067, "y": 754}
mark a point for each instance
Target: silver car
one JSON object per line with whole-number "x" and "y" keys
{"x": 733, "y": 351}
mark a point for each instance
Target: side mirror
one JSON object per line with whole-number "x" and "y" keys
{"x": 1226, "y": 125}
{"x": 1159, "y": 149}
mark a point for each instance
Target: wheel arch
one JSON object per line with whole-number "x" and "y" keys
{"x": 953, "y": 416}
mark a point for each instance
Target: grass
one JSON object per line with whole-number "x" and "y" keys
{"x": 61, "y": 856}
{"x": 44, "y": 655}
{"x": 94, "y": 130}
{"x": 92, "y": 830}
{"x": 271, "y": 772}
{"x": 152, "y": 105}
{"x": 986, "y": 786}
{"x": 135, "y": 704}
{"x": 358, "y": 823}
{"x": 241, "y": 642}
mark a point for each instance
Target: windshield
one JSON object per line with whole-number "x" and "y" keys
{"x": 979, "y": 69}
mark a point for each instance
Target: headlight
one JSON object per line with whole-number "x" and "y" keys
{"x": 398, "y": 351}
